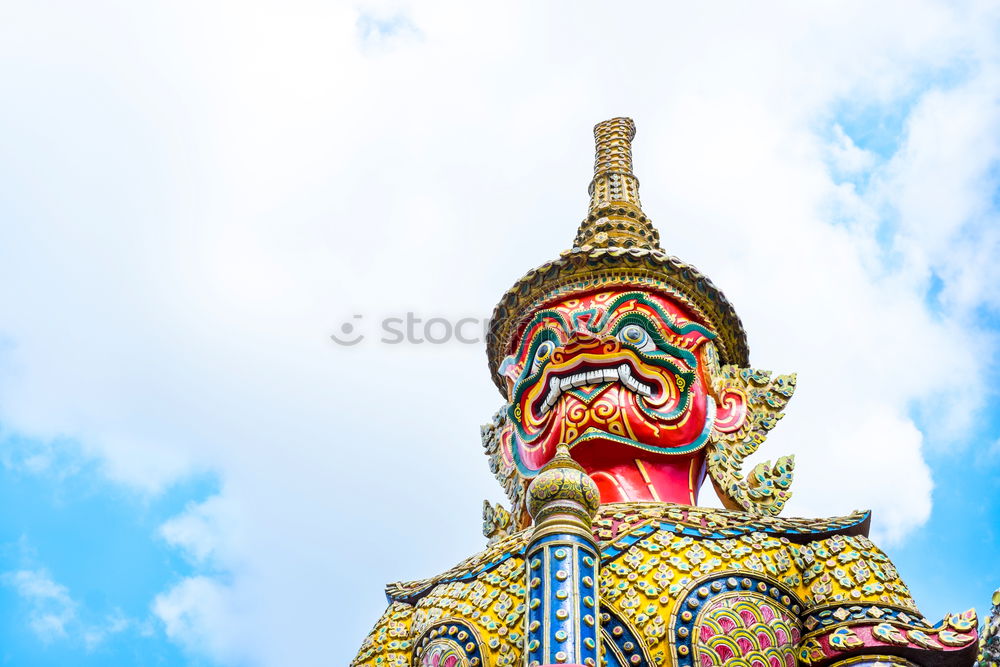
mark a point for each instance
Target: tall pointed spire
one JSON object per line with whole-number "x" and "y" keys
{"x": 615, "y": 218}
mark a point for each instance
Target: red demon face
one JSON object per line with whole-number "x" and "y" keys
{"x": 617, "y": 376}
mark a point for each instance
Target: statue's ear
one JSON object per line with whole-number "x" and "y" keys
{"x": 750, "y": 402}
{"x": 731, "y": 410}
{"x": 730, "y": 398}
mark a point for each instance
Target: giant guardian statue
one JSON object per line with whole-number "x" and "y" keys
{"x": 626, "y": 381}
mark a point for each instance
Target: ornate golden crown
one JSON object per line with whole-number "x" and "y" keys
{"x": 616, "y": 244}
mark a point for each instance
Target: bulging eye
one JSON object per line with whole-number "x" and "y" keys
{"x": 635, "y": 335}
{"x": 542, "y": 354}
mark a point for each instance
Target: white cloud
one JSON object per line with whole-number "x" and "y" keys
{"x": 194, "y": 205}
{"x": 845, "y": 155}
{"x": 114, "y": 624}
{"x": 381, "y": 31}
{"x": 53, "y": 614}
{"x": 196, "y": 531}
{"x": 939, "y": 184}
{"x": 193, "y": 613}
{"x": 50, "y": 607}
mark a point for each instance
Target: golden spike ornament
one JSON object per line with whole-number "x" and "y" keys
{"x": 615, "y": 217}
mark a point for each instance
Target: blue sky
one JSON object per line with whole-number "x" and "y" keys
{"x": 82, "y": 560}
{"x": 193, "y": 474}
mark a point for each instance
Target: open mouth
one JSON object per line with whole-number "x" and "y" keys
{"x": 561, "y": 381}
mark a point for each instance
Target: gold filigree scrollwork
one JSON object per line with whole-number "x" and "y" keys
{"x": 766, "y": 489}
{"x": 496, "y": 521}
{"x": 503, "y": 468}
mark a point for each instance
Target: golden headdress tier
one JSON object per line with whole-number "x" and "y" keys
{"x": 615, "y": 246}
{"x": 615, "y": 218}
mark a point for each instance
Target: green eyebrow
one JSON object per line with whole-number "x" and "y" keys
{"x": 646, "y": 322}
{"x": 537, "y": 319}
{"x": 598, "y": 321}
{"x": 680, "y": 330}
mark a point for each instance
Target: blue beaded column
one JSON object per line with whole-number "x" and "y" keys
{"x": 563, "y": 619}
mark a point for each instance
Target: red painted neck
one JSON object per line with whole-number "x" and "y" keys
{"x": 674, "y": 479}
